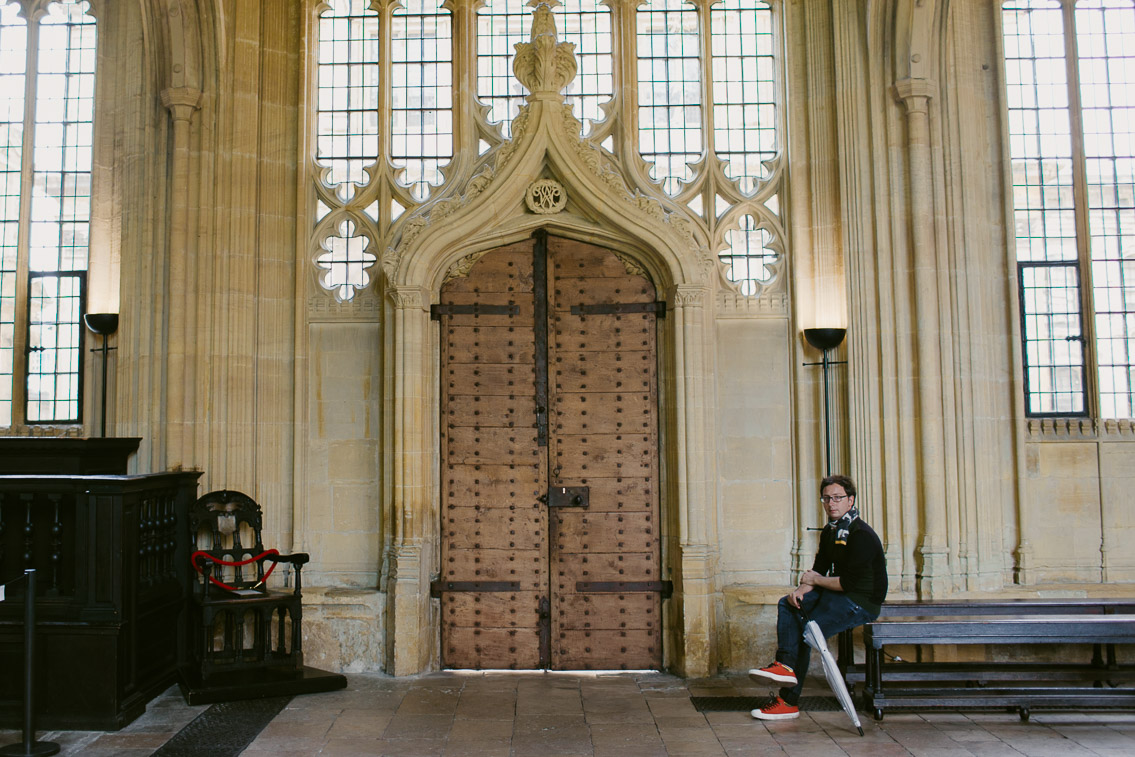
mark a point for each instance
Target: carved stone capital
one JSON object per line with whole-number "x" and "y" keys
{"x": 181, "y": 101}
{"x": 915, "y": 94}
{"x": 690, "y": 296}
{"x": 407, "y": 561}
{"x": 407, "y": 297}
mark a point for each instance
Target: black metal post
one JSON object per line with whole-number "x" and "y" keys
{"x": 826, "y": 340}
{"x": 30, "y": 747}
{"x": 105, "y": 360}
{"x": 827, "y": 419}
{"x": 103, "y": 324}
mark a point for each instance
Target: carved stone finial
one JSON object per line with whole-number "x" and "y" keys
{"x": 544, "y": 64}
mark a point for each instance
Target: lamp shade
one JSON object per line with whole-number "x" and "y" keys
{"x": 824, "y": 339}
{"x": 103, "y": 324}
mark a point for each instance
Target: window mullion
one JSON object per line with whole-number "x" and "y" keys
{"x": 706, "y": 44}
{"x": 464, "y": 57}
{"x": 385, "y": 77}
{"x": 23, "y": 241}
{"x": 624, "y": 21}
{"x": 1080, "y": 200}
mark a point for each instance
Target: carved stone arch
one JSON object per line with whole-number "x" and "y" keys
{"x": 491, "y": 207}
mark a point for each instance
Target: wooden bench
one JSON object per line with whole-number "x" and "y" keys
{"x": 1024, "y": 685}
{"x": 856, "y": 673}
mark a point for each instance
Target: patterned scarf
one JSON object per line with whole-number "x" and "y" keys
{"x": 842, "y": 525}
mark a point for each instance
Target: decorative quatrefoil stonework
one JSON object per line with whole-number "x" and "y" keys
{"x": 546, "y": 196}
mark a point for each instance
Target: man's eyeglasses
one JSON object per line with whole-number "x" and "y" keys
{"x": 837, "y": 498}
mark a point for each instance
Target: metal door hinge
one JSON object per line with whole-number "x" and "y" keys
{"x": 439, "y": 587}
{"x": 665, "y": 588}
{"x": 437, "y": 311}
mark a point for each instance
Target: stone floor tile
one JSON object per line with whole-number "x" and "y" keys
{"x": 993, "y": 749}
{"x": 703, "y": 734}
{"x": 477, "y": 750}
{"x": 481, "y": 731}
{"x": 426, "y": 701}
{"x": 354, "y": 724}
{"x": 129, "y": 741}
{"x": 544, "y": 721}
{"x": 695, "y": 720}
{"x": 415, "y": 725}
{"x": 670, "y": 705}
{"x": 861, "y": 749}
{"x": 93, "y": 751}
{"x": 628, "y": 716}
{"x": 349, "y": 747}
{"x": 410, "y": 747}
{"x": 964, "y": 734}
{"x": 695, "y": 748}
{"x": 630, "y": 736}
{"x": 548, "y": 745}
{"x": 749, "y": 750}
{"x": 487, "y": 707}
{"x": 623, "y": 751}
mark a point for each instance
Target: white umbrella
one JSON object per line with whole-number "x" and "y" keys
{"x": 815, "y": 638}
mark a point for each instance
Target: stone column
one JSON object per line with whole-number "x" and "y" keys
{"x": 411, "y": 637}
{"x": 915, "y": 95}
{"x": 696, "y": 584}
{"x": 182, "y": 287}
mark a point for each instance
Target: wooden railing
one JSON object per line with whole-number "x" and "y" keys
{"x": 111, "y": 555}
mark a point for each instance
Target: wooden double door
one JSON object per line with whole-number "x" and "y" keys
{"x": 549, "y": 462}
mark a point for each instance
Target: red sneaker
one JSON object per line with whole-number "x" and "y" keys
{"x": 777, "y": 709}
{"x": 778, "y": 672}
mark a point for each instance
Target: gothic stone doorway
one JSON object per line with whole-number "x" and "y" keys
{"x": 549, "y": 462}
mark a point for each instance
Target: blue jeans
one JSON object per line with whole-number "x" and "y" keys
{"x": 831, "y": 610}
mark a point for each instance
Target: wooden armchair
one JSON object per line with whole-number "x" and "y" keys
{"x": 245, "y": 640}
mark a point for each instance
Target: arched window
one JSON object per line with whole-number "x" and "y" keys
{"x": 1069, "y": 75}
{"x": 47, "y": 72}
{"x": 684, "y": 95}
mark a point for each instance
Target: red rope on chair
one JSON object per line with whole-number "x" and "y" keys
{"x": 206, "y": 555}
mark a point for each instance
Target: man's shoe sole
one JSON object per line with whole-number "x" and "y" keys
{"x": 779, "y": 716}
{"x": 761, "y": 676}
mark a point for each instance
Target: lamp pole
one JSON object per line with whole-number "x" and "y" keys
{"x": 103, "y": 324}
{"x": 826, "y": 340}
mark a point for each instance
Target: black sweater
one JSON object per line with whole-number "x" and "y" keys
{"x": 860, "y": 564}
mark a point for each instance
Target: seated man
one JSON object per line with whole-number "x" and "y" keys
{"x": 845, "y": 588}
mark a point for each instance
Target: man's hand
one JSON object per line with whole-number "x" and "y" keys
{"x": 810, "y": 578}
{"x": 797, "y": 594}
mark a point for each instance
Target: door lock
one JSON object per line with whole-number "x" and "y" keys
{"x": 568, "y": 496}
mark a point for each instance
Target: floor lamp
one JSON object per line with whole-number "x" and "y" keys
{"x": 826, "y": 340}
{"x": 103, "y": 324}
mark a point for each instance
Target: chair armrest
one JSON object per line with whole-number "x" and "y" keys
{"x": 299, "y": 559}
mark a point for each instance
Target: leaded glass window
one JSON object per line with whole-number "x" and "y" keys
{"x": 47, "y": 76}
{"x": 682, "y": 95}
{"x": 1070, "y": 72}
